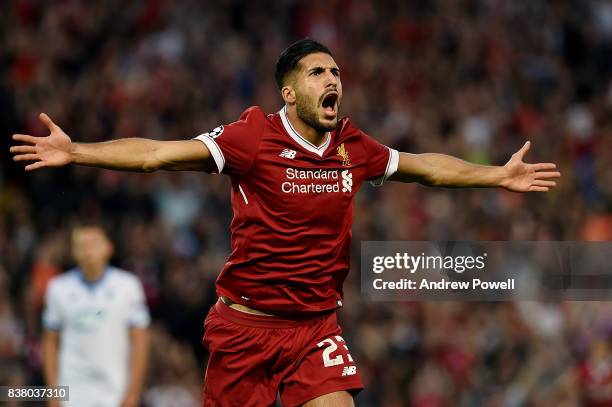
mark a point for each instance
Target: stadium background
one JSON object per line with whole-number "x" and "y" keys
{"x": 470, "y": 78}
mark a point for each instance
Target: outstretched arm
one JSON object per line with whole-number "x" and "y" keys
{"x": 130, "y": 154}
{"x": 446, "y": 171}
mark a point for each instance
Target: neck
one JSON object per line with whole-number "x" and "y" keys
{"x": 92, "y": 273}
{"x": 304, "y": 129}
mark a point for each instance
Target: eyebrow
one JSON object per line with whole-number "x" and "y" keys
{"x": 322, "y": 68}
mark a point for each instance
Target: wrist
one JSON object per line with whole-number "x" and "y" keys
{"x": 80, "y": 153}
{"x": 502, "y": 177}
{"x": 73, "y": 152}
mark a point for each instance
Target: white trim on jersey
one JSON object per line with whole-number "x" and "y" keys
{"x": 214, "y": 149}
{"x": 391, "y": 169}
{"x": 301, "y": 140}
{"x": 243, "y": 195}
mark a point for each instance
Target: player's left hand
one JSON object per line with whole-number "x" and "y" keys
{"x": 524, "y": 177}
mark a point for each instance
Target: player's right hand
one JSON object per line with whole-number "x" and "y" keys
{"x": 51, "y": 151}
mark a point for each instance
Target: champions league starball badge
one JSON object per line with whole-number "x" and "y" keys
{"x": 214, "y": 133}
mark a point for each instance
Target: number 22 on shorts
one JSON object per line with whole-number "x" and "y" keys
{"x": 331, "y": 347}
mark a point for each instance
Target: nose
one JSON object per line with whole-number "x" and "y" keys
{"x": 330, "y": 78}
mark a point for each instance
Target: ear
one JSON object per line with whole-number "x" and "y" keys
{"x": 288, "y": 94}
{"x": 110, "y": 249}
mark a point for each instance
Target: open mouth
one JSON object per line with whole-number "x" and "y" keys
{"x": 329, "y": 104}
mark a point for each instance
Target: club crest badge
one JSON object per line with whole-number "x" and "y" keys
{"x": 346, "y": 160}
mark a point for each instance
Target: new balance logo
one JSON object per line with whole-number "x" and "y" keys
{"x": 347, "y": 181}
{"x": 349, "y": 370}
{"x": 288, "y": 153}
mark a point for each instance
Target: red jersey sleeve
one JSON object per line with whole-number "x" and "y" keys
{"x": 234, "y": 146}
{"x": 382, "y": 161}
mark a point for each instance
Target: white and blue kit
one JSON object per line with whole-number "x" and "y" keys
{"x": 94, "y": 321}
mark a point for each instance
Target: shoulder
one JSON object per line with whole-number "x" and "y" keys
{"x": 60, "y": 283}
{"x": 69, "y": 277}
{"x": 253, "y": 111}
{"x": 348, "y": 132}
{"x": 347, "y": 128}
{"x": 251, "y": 121}
{"x": 255, "y": 115}
{"x": 122, "y": 276}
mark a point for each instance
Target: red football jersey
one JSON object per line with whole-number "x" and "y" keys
{"x": 293, "y": 208}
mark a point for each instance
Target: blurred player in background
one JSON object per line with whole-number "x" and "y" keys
{"x": 294, "y": 177}
{"x": 95, "y": 327}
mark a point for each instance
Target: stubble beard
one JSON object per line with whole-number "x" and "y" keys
{"x": 307, "y": 112}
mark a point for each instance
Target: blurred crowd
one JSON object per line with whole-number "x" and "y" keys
{"x": 471, "y": 78}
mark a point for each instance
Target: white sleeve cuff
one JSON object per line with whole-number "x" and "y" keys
{"x": 392, "y": 164}
{"x": 140, "y": 317}
{"x": 50, "y": 320}
{"x": 214, "y": 149}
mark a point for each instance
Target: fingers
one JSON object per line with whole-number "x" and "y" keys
{"x": 27, "y": 152}
{"x": 35, "y": 166}
{"x": 30, "y": 157}
{"x": 47, "y": 121}
{"x": 26, "y": 157}
{"x": 551, "y": 174}
{"x": 23, "y": 149}
{"x": 544, "y": 166}
{"x": 25, "y": 138}
{"x": 542, "y": 183}
{"x": 521, "y": 153}
{"x": 533, "y": 188}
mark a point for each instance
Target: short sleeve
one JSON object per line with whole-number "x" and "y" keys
{"x": 52, "y": 313}
{"x": 234, "y": 146}
{"x": 138, "y": 312}
{"x": 382, "y": 160}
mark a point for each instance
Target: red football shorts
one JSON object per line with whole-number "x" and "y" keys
{"x": 254, "y": 357}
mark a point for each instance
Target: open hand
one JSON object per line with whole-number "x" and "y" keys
{"x": 51, "y": 151}
{"x": 524, "y": 177}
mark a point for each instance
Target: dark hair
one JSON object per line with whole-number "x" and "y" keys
{"x": 288, "y": 60}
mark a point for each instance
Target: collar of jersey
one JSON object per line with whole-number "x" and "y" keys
{"x": 91, "y": 285}
{"x": 301, "y": 140}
